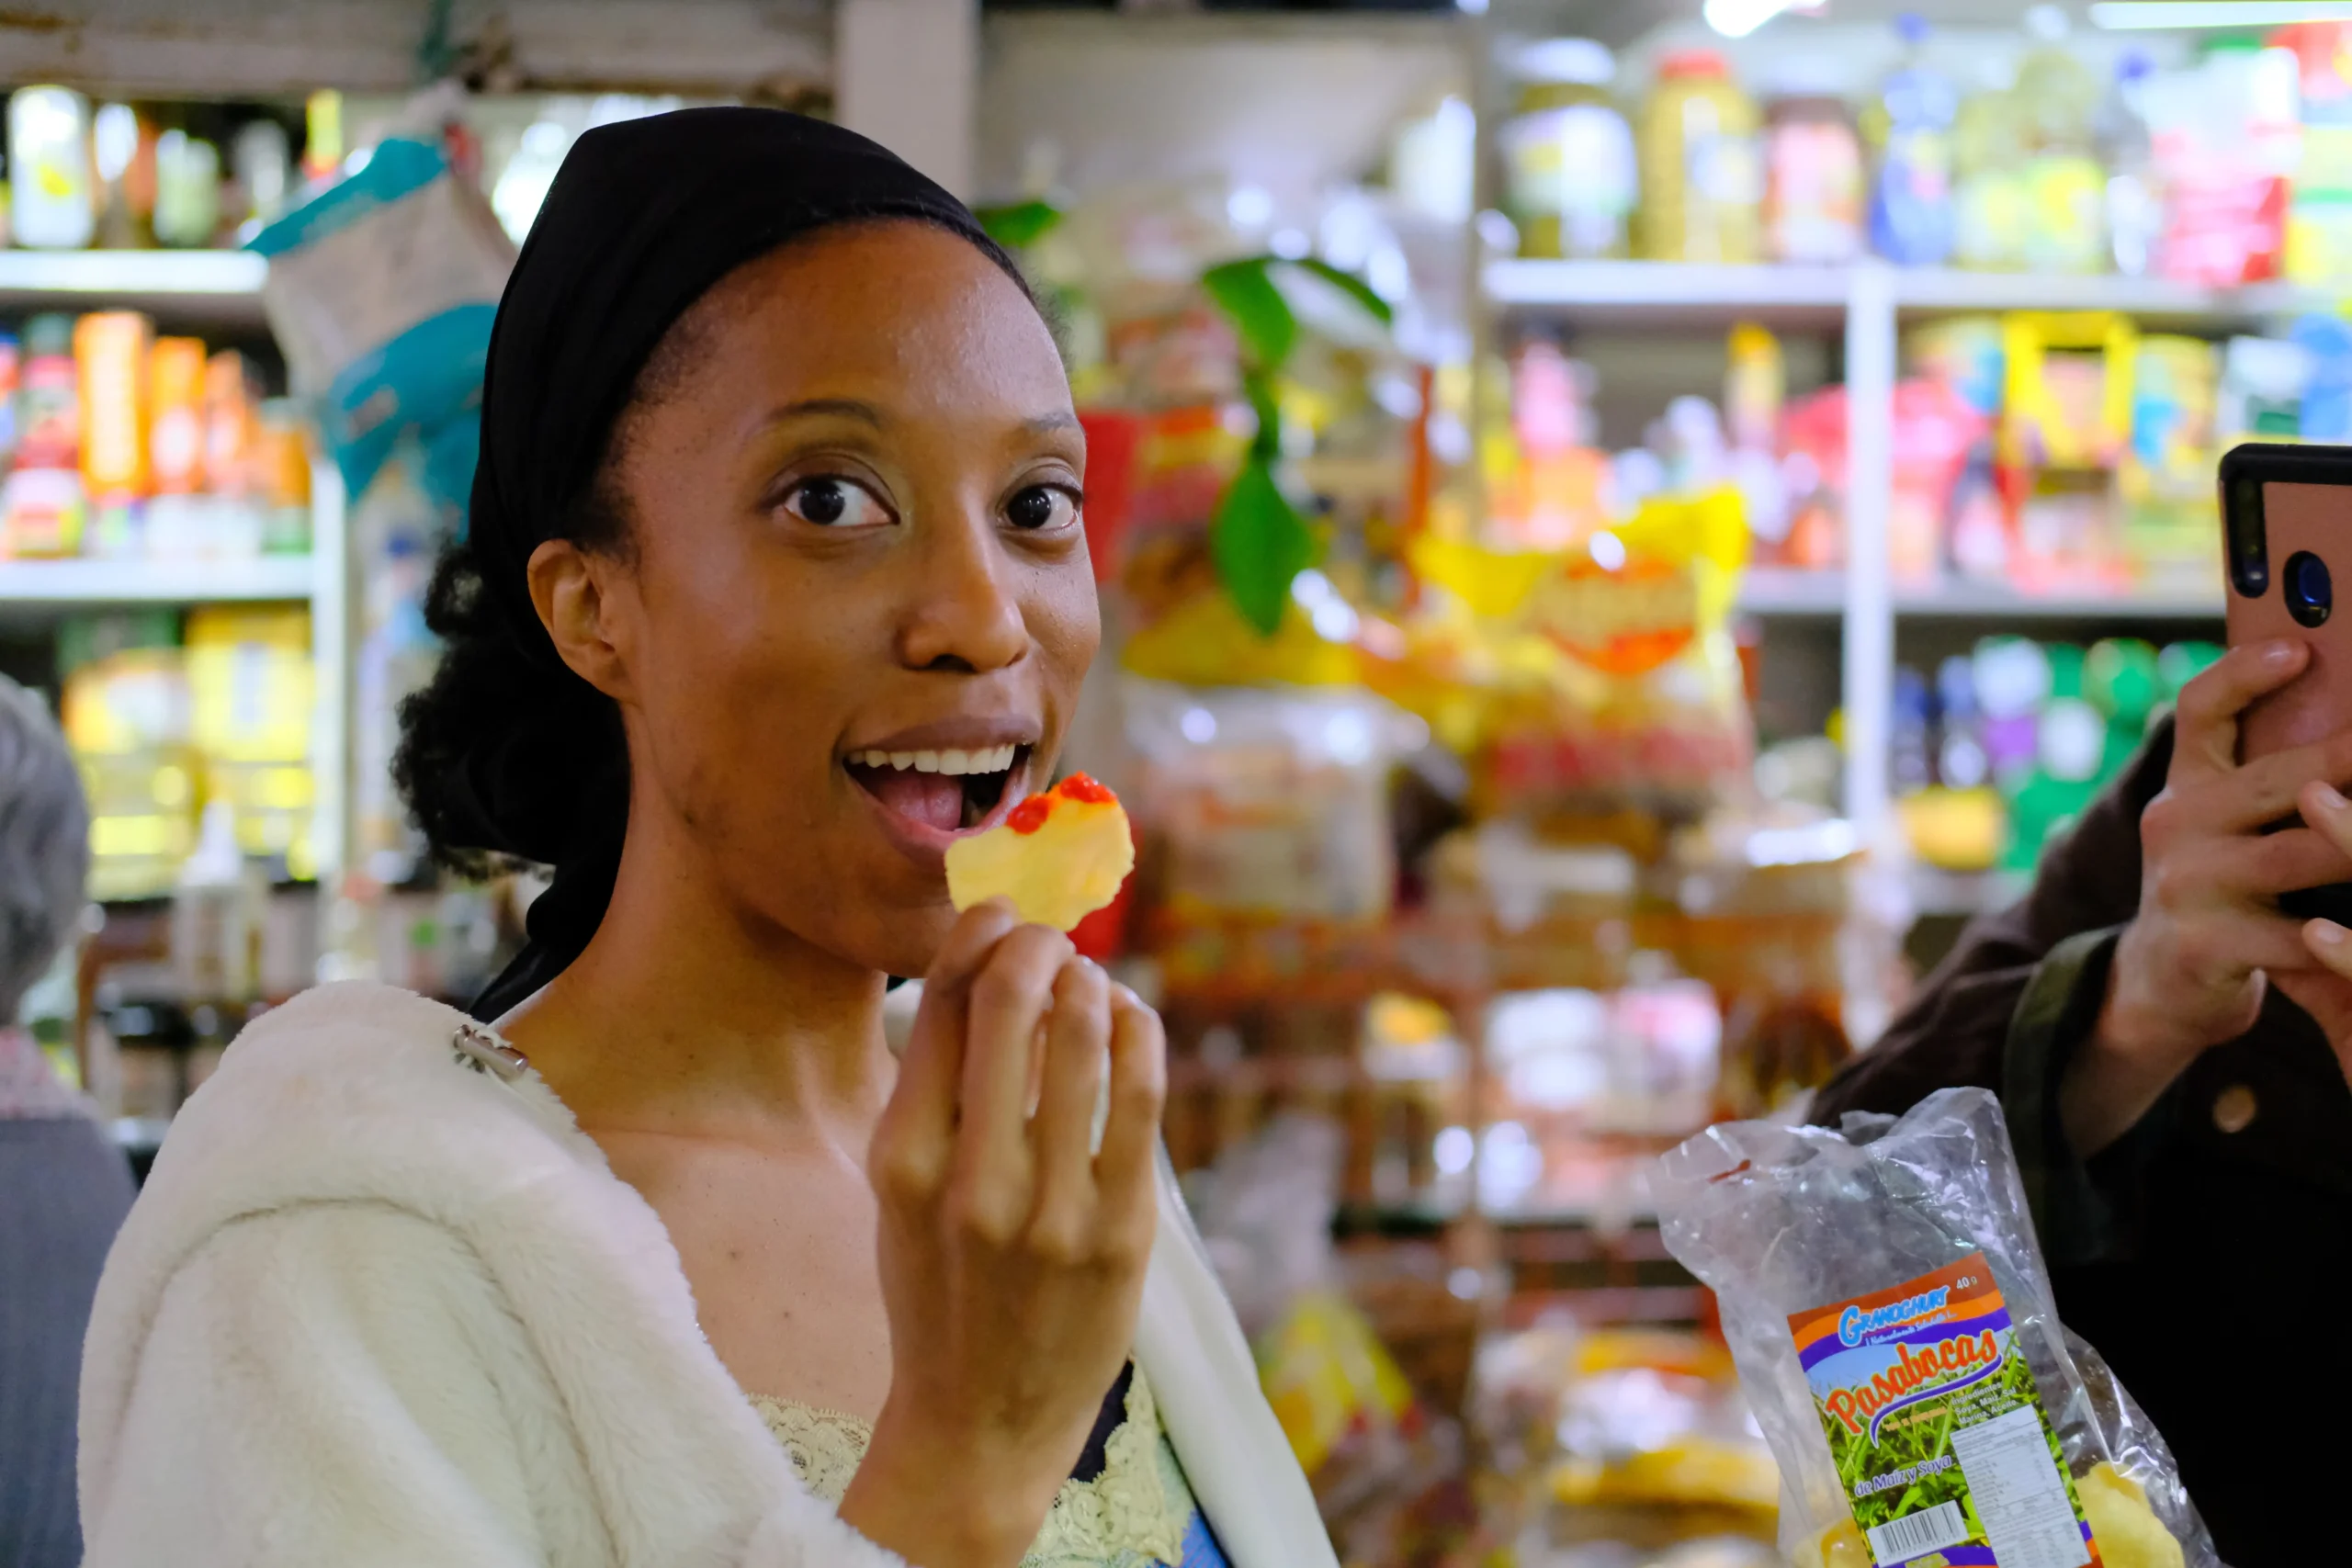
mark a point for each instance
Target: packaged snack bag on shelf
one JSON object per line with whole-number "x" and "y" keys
{"x": 251, "y": 684}
{"x": 2225, "y": 136}
{"x": 1892, "y": 1318}
{"x": 125, "y": 712}
{"x": 1643, "y": 699}
{"x": 1264, "y": 814}
{"x": 1621, "y": 1434}
{"x": 382, "y": 291}
{"x": 1386, "y": 1470}
{"x": 2164, "y": 480}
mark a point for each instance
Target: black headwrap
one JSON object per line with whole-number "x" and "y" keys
{"x": 643, "y": 217}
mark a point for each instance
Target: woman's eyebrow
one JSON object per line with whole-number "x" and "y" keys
{"x": 839, "y": 408}
{"x": 1047, "y": 423}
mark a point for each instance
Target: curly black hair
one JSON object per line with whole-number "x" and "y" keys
{"x": 502, "y": 732}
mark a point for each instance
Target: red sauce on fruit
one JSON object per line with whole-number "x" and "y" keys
{"x": 1077, "y": 786}
{"x": 1030, "y": 814}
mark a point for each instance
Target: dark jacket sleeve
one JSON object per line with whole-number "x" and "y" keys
{"x": 2004, "y": 1011}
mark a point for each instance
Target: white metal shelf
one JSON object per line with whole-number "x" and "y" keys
{"x": 221, "y": 285}
{"x": 1782, "y": 590}
{"x": 1703, "y": 292}
{"x": 52, "y": 584}
{"x": 1993, "y": 600}
{"x": 1790, "y": 593}
{"x": 1681, "y": 287}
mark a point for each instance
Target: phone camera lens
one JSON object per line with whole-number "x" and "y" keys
{"x": 2309, "y": 592}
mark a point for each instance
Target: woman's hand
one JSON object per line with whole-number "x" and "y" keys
{"x": 2191, "y": 968}
{"x": 2327, "y": 994}
{"x": 1012, "y": 1251}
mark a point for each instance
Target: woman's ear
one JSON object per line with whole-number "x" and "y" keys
{"x": 572, "y": 590}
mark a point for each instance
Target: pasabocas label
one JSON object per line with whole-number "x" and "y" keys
{"x": 1937, "y": 1429}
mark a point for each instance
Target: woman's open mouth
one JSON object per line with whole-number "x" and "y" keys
{"x": 946, "y": 791}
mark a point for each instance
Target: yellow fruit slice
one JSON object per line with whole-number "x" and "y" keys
{"x": 1058, "y": 856}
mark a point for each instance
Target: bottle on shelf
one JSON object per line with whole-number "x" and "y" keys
{"x": 1911, "y": 192}
{"x": 1815, "y": 193}
{"x": 187, "y": 190}
{"x": 49, "y": 168}
{"x": 1702, "y": 175}
{"x": 42, "y": 508}
{"x": 2135, "y": 215}
{"x": 1992, "y": 202}
{"x": 2057, "y": 97}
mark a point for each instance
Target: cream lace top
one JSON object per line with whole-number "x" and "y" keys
{"x": 1138, "y": 1513}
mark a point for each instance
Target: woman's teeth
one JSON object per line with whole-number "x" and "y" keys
{"x": 995, "y": 760}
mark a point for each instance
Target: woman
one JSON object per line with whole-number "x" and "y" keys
{"x": 63, "y": 1187}
{"x": 774, "y": 585}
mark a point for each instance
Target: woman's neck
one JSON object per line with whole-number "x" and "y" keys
{"x": 690, "y": 1015}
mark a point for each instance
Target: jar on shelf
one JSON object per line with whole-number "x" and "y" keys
{"x": 1572, "y": 173}
{"x": 1814, "y": 186}
{"x": 1701, "y": 177}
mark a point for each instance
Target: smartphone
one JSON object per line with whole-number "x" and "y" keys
{"x": 2286, "y": 531}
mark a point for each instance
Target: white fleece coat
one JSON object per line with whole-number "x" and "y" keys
{"x": 378, "y": 1305}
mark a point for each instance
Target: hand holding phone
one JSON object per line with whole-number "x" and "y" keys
{"x": 2287, "y": 522}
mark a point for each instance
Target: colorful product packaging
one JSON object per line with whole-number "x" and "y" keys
{"x": 1887, "y": 1306}
{"x": 111, "y": 353}
{"x": 44, "y": 509}
{"x": 176, "y": 424}
{"x": 251, "y": 691}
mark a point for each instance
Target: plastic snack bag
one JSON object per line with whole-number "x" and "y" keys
{"x": 1893, "y": 1323}
{"x": 382, "y": 291}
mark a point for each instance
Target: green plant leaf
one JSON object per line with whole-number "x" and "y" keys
{"x": 1019, "y": 225}
{"x": 1354, "y": 288}
{"x": 1267, "y": 325}
{"x": 1266, "y": 407}
{"x": 1259, "y": 543}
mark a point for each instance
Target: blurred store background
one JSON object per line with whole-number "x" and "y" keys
{"x": 1621, "y": 526}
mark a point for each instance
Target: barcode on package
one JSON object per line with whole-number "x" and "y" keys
{"x": 1914, "y": 1535}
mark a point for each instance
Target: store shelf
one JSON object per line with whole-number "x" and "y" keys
{"x": 1993, "y": 602}
{"x": 1791, "y": 591}
{"x": 1677, "y": 289}
{"x": 212, "y": 284}
{"x": 1784, "y": 593}
{"x": 1948, "y": 288}
{"x": 50, "y": 585}
{"x": 1706, "y": 294}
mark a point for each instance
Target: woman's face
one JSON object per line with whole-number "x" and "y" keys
{"x": 857, "y": 605}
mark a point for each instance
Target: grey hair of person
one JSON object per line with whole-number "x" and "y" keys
{"x": 44, "y": 844}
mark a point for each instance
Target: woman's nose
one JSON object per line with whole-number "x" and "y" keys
{"x": 965, "y": 613}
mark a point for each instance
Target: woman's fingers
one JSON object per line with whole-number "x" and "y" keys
{"x": 2267, "y": 789}
{"x": 2326, "y": 811}
{"x": 1008, "y": 999}
{"x": 2331, "y": 944}
{"x": 1123, "y": 1169}
{"x": 1078, "y": 1041}
{"x": 2286, "y": 861}
{"x": 916, "y": 1135}
{"x": 2205, "y": 737}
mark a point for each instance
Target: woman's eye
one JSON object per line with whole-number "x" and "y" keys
{"x": 1041, "y": 507}
{"x": 834, "y": 503}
